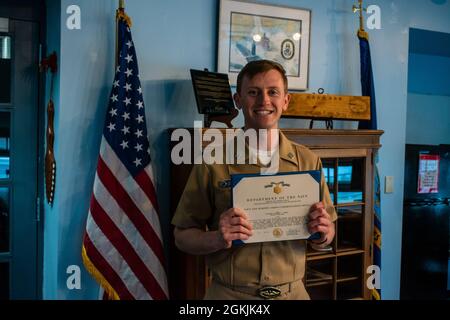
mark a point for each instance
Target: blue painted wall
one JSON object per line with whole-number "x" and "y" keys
{"x": 86, "y": 66}
{"x": 428, "y": 119}
{"x": 175, "y": 35}
{"x": 429, "y": 74}
{"x": 51, "y": 221}
{"x": 428, "y": 114}
{"x": 429, "y": 42}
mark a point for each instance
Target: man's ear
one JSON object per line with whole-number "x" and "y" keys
{"x": 287, "y": 98}
{"x": 237, "y": 100}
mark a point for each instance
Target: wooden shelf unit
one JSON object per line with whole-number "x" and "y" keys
{"x": 352, "y": 247}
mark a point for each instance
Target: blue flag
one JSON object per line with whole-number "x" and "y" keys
{"x": 368, "y": 89}
{"x": 367, "y": 82}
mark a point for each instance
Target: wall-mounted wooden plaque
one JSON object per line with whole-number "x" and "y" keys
{"x": 328, "y": 106}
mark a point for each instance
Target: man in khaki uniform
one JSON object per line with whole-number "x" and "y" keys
{"x": 206, "y": 225}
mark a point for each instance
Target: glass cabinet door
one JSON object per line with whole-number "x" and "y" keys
{"x": 329, "y": 168}
{"x": 336, "y": 272}
{"x": 350, "y": 180}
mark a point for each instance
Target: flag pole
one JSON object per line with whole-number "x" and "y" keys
{"x": 361, "y": 23}
{"x": 361, "y": 32}
{"x": 367, "y": 87}
{"x": 120, "y": 9}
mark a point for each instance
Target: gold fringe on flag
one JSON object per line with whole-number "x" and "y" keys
{"x": 377, "y": 237}
{"x": 363, "y": 34}
{"x": 375, "y": 294}
{"x": 112, "y": 294}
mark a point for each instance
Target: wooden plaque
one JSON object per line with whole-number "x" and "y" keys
{"x": 327, "y": 106}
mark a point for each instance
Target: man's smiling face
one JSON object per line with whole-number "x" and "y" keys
{"x": 263, "y": 99}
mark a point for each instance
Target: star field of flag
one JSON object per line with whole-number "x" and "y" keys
{"x": 125, "y": 127}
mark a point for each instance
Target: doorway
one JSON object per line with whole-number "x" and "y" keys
{"x": 426, "y": 215}
{"x": 20, "y": 275}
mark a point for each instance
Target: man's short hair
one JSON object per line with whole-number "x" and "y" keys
{"x": 260, "y": 66}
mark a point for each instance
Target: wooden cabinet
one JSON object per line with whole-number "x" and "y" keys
{"x": 340, "y": 271}
{"x": 347, "y": 158}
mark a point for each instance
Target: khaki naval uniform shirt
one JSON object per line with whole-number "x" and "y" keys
{"x": 239, "y": 271}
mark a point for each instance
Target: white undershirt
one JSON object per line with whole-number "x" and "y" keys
{"x": 264, "y": 156}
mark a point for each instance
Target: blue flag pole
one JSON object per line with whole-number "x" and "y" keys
{"x": 368, "y": 89}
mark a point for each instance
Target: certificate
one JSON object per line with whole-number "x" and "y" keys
{"x": 277, "y": 205}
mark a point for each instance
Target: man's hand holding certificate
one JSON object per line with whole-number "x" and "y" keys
{"x": 277, "y": 206}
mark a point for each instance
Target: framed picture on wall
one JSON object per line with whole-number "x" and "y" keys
{"x": 251, "y": 31}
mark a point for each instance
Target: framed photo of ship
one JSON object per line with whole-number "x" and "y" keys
{"x": 251, "y": 31}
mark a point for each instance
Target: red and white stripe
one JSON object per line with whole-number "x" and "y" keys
{"x": 123, "y": 234}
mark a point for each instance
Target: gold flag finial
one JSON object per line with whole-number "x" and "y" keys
{"x": 361, "y": 32}
{"x": 120, "y": 13}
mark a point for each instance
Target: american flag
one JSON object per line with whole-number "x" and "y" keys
{"x": 122, "y": 245}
